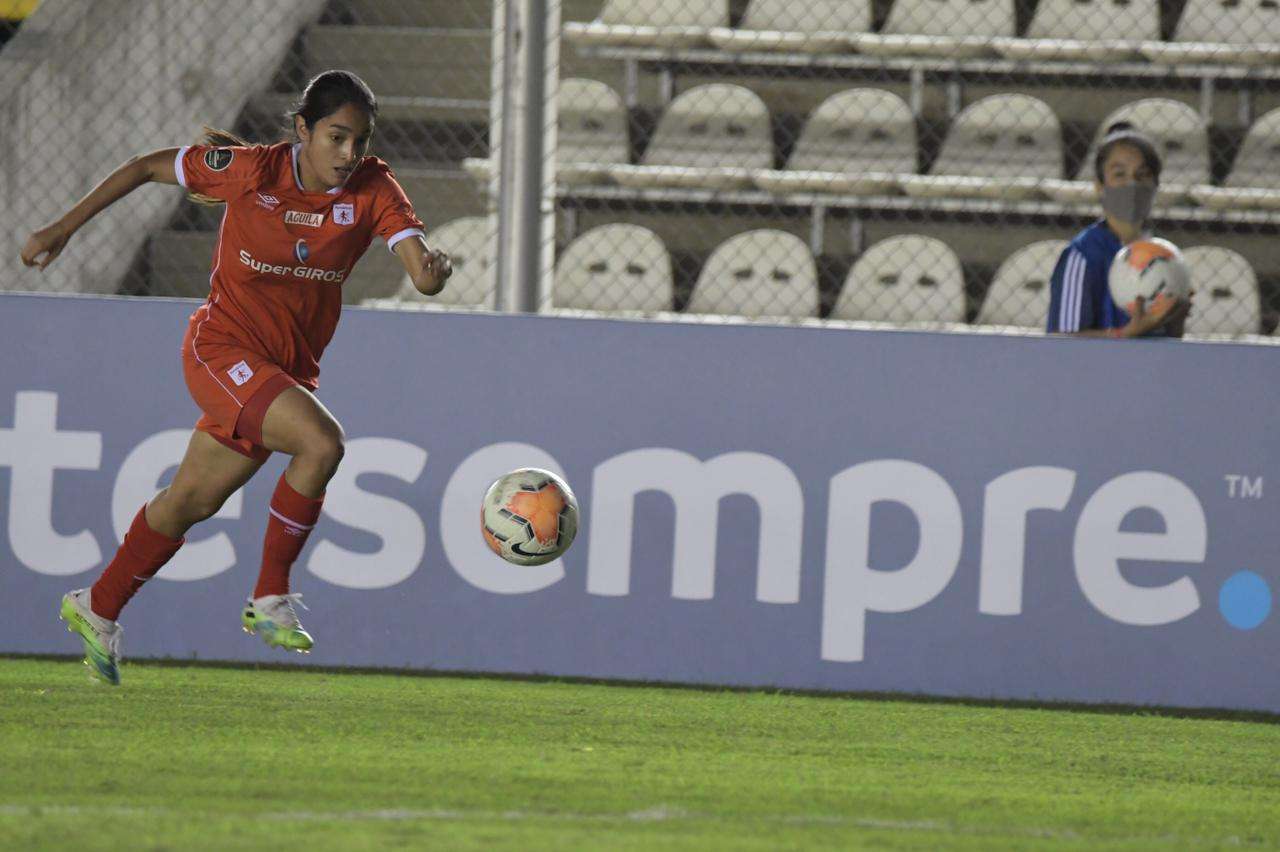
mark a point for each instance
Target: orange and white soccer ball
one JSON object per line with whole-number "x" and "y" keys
{"x": 529, "y": 516}
{"x": 1148, "y": 268}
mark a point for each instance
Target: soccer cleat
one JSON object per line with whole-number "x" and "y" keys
{"x": 101, "y": 636}
{"x": 272, "y": 617}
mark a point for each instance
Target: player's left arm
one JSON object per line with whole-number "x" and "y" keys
{"x": 428, "y": 268}
{"x": 398, "y": 224}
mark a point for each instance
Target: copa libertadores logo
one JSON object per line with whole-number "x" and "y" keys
{"x": 217, "y": 159}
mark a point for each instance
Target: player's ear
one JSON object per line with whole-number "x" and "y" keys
{"x": 300, "y": 128}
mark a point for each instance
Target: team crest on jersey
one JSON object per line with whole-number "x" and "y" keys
{"x": 301, "y": 251}
{"x": 344, "y": 213}
{"x": 218, "y": 159}
{"x": 240, "y": 373}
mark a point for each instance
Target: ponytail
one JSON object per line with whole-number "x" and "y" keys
{"x": 219, "y": 139}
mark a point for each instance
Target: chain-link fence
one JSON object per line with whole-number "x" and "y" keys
{"x": 905, "y": 161}
{"x": 86, "y": 84}
{"x": 909, "y": 161}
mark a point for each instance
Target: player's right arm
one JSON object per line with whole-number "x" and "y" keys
{"x": 47, "y": 243}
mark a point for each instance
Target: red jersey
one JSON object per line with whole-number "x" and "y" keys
{"x": 283, "y": 252}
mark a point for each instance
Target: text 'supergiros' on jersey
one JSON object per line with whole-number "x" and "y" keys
{"x": 283, "y": 252}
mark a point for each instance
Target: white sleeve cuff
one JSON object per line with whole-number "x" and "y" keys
{"x": 177, "y": 165}
{"x": 403, "y": 235}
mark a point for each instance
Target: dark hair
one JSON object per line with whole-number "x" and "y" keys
{"x": 328, "y": 92}
{"x": 324, "y": 95}
{"x": 1124, "y": 133}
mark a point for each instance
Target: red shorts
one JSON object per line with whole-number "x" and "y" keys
{"x": 233, "y": 387}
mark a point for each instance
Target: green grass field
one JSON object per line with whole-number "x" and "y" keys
{"x": 221, "y": 758}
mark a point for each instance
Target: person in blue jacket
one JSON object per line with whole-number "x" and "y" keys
{"x": 1127, "y": 173}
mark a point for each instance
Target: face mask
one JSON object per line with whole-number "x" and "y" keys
{"x": 1130, "y": 202}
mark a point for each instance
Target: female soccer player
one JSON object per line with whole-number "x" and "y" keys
{"x": 298, "y": 217}
{"x": 1127, "y": 171}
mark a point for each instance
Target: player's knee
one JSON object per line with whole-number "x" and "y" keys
{"x": 325, "y": 446}
{"x": 193, "y": 505}
{"x": 334, "y": 450}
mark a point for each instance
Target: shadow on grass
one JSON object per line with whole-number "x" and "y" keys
{"x": 1210, "y": 713}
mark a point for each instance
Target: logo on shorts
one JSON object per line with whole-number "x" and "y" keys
{"x": 311, "y": 220}
{"x": 270, "y": 202}
{"x": 344, "y": 213}
{"x": 301, "y": 251}
{"x": 240, "y": 373}
{"x": 218, "y": 159}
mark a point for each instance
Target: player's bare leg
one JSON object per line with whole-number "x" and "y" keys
{"x": 208, "y": 475}
{"x": 298, "y": 424}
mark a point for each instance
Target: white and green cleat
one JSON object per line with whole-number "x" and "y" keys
{"x": 101, "y": 636}
{"x": 272, "y": 617}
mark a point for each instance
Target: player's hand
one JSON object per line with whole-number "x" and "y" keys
{"x": 1176, "y": 322}
{"x": 1163, "y": 311}
{"x": 436, "y": 269}
{"x": 48, "y": 241}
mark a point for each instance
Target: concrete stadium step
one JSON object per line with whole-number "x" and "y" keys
{"x": 421, "y": 59}
{"x": 409, "y": 131}
{"x": 449, "y": 65}
{"x": 457, "y": 14}
{"x": 271, "y": 109}
{"x": 179, "y": 262}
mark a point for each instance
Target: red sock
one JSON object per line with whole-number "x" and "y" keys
{"x": 142, "y": 553}
{"x": 291, "y": 520}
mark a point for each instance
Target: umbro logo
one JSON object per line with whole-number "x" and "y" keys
{"x": 270, "y": 202}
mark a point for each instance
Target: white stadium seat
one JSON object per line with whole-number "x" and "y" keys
{"x": 614, "y": 268}
{"x": 758, "y": 274}
{"x": 1256, "y": 163}
{"x": 1019, "y": 292}
{"x": 1181, "y": 137}
{"x": 1222, "y": 31}
{"x": 474, "y": 280}
{"x": 1008, "y": 143}
{"x": 591, "y": 134}
{"x": 592, "y": 130}
{"x": 856, "y": 142}
{"x": 907, "y": 279}
{"x": 946, "y": 28}
{"x": 1086, "y": 30}
{"x": 814, "y": 26}
{"x": 659, "y": 23}
{"x": 1227, "y": 299}
{"x": 709, "y": 137}
{"x": 1254, "y": 181}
